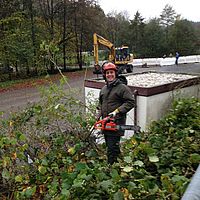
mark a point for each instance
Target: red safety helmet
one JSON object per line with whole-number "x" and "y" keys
{"x": 109, "y": 66}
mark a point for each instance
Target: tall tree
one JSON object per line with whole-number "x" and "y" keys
{"x": 136, "y": 34}
{"x": 31, "y": 14}
{"x": 153, "y": 39}
{"x": 183, "y": 38}
{"x": 167, "y": 18}
{"x": 82, "y": 19}
{"x": 47, "y": 10}
{"x": 8, "y": 7}
{"x": 64, "y": 32}
{"x": 16, "y": 46}
{"x": 117, "y": 27}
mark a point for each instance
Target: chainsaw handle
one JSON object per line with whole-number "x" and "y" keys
{"x": 101, "y": 124}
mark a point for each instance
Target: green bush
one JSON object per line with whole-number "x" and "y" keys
{"x": 66, "y": 163}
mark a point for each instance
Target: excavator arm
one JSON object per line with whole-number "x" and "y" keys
{"x": 97, "y": 39}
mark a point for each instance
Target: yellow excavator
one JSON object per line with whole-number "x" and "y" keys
{"x": 120, "y": 56}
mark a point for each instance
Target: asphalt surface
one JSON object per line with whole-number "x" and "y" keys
{"x": 15, "y": 100}
{"x": 18, "y": 99}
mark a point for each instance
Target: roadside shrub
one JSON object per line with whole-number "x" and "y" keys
{"x": 46, "y": 152}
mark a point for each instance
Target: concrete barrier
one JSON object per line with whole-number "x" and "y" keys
{"x": 166, "y": 61}
{"x": 163, "y": 61}
{"x": 137, "y": 62}
{"x": 182, "y": 60}
{"x": 151, "y": 61}
{"x": 198, "y": 58}
{"x": 189, "y": 59}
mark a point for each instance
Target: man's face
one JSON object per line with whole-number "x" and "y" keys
{"x": 110, "y": 75}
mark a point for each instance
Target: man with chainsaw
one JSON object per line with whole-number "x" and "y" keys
{"x": 115, "y": 100}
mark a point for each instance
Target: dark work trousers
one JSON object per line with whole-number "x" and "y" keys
{"x": 113, "y": 147}
{"x": 176, "y": 62}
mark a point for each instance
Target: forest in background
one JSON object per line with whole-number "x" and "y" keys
{"x": 36, "y": 35}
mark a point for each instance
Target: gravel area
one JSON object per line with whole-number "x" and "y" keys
{"x": 151, "y": 79}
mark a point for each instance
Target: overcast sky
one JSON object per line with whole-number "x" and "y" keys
{"x": 189, "y": 9}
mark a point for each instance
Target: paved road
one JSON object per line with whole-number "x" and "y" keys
{"x": 18, "y": 99}
{"x": 14, "y": 100}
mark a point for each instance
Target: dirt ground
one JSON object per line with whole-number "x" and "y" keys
{"x": 17, "y": 98}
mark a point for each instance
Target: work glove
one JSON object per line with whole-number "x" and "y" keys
{"x": 114, "y": 113}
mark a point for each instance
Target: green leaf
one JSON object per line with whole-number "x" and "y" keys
{"x": 194, "y": 158}
{"x": 127, "y": 169}
{"x": 13, "y": 141}
{"x": 42, "y": 169}
{"x": 22, "y": 137}
{"x": 106, "y": 184}
{"x": 138, "y": 163}
{"x": 154, "y": 190}
{"x": 30, "y": 191}
{"x": 78, "y": 184}
{"x": 148, "y": 149}
{"x": 118, "y": 196}
{"x": 54, "y": 166}
{"x": 37, "y": 109}
{"x": 1, "y": 112}
{"x": 71, "y": 151}
{"x": 5, "y": 174}
{"x": 178, "y": 178}
{"x": 44, "y": 162}
{"x": 66, "y": 185}
{"x": 153, "y": 159}
{"x": 127, "y": 159}
{"x": 65, "y": 192}
{"x": 80, "y": 166}
{"x": 132, "y": 186}
{"x": 18, "y": 178}
{"x": 115, "y": 175}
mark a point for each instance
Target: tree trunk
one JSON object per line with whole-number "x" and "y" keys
{"x": 81, "y": 49}
{"x": 64, "y": 36}
{"x": 16, "y": 69}
{"x": 33, "y": 34}
{"x": 27, "y": 69}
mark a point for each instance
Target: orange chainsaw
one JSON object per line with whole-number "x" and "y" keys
{"x": 109, "y": 124}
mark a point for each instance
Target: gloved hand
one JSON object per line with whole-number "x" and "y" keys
{"x": 114, "y": 113}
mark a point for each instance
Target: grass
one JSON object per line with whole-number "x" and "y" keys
{"x": 7, "y": 84}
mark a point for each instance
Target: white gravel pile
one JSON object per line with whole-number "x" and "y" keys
{"x": 155, "y": 79}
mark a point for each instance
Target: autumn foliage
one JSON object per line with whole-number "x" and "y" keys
{"x": 46, "y": 152}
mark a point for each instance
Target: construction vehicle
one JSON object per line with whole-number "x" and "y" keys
{"x": 120, "y": 56}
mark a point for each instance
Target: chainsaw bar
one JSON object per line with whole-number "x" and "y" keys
{"x": 122, "y": 128}
{"x": 128, "y": 127}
